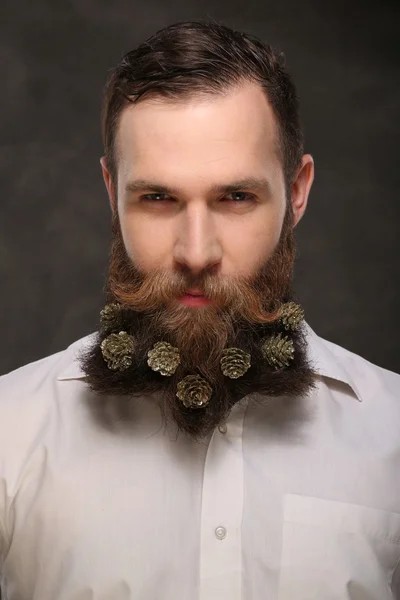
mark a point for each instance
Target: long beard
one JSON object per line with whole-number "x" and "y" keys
{"x": 243, "y": 312}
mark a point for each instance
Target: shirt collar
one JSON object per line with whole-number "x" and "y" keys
{"x": 330, "y": 360}
{"x": 72, "y": 369}
{"x": 324, "y": 357}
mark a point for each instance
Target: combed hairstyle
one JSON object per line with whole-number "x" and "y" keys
{"x": 196, "y": 58}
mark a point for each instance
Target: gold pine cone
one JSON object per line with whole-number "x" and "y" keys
{"x": 110, "y": 316}
{"x": 278, "y": 351}
{"x": 194, "y": 391}
{"x": 117, "y": 350}
{"x": 164, "y": 358}
{"x": 291, "y": 315}
{"x": 235, "y": 362}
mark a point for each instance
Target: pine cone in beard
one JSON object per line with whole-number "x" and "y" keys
{"x": 194, "y": 391}
{"x": 110, "y": 316}
{"x": 291, "y": 315}
{"x": 278, "y": 351}
{"x": 164, "y": 358}
{"x": 235, "y": 362}
{"x": 117, "y": 350}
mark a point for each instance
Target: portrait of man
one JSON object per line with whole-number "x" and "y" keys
{"x": 204, "y": 443}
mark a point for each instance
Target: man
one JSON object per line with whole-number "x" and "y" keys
{"x": 205, "y": 443}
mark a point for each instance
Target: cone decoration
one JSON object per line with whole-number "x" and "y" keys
{"x": 291, "y": 315}
{"x": 278, "y": 351}
{"x": 110, "y": 316}
{"x": 164, "y": 358}
{"x": 235, "y": 362}
{"x": 117, "y": 350}
{"x": 194, "y": 391}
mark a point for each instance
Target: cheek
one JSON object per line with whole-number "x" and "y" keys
{"x": 146, "y": 242}
{"x": 249, "y": 245}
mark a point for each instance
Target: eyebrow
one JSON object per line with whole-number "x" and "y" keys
{"x": 253, "y": 183}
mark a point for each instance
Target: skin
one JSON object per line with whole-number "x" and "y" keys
{"x": 191, "y": 146}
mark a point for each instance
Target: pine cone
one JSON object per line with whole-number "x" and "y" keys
{"x": 117, "y": 350}
{"x": 291, "y": 315}
{"x": 110, "y": 316}
{"x": 235, "y": 362}
{"x": 164, "y": 358}
{"x": 278, "y": 351}
{"x": 194, "y": 391}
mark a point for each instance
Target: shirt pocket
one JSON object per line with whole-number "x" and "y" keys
{"x": 336, "y": 551}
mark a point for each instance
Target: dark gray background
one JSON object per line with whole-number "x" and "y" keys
{"x": 54, "y": 213}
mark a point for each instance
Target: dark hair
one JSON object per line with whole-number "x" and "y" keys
{"x": 196, "y": 58}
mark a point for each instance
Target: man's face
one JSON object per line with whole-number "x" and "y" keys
{"x": 200, "y": 205}
{"x": 195, "y": 149}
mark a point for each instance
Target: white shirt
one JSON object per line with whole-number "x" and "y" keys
{"x": 292, "y": 501}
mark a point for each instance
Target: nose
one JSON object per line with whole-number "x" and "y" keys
{"x": 197, "y": 247}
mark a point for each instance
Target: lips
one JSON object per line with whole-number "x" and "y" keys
{"x": 190, "y": 300}
{"x": 194, "y": 293}
{"x": 194, "y": 298}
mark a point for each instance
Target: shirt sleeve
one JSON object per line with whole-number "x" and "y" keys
{"x": 3, "y": 501}
{"x": 2, "y": 521}
{"x": 395, "y": 587}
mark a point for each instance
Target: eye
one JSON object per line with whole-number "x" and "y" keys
{"x": 155, "y": 197}
{"x": 241, "y": 197}
{"x": 234, "y": 197}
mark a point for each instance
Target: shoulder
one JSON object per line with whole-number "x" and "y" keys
{"x": 29, "y": 415}
{"x": 29, "y": 398}
{"x": 368, "y": 380}
{"x": 31, "y": 374}
{"x": 37, "y": 374}
{"x": 34, "y": 385}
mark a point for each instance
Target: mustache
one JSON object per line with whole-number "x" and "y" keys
{"x": 235, "y": 295}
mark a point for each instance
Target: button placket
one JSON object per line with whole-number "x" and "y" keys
{"x": 221, "y": 513}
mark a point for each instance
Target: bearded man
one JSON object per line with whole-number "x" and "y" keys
{"x": 205, "y": 443}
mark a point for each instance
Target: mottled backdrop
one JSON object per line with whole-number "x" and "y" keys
{"x": 54, "y": 213}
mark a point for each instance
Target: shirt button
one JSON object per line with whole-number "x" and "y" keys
{"x": 222, "y": 428}
{"x": 220, "y": 533}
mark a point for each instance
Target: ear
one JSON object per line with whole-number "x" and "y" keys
{"x": 301, "y": 187}
{"x": 109, "y": 184}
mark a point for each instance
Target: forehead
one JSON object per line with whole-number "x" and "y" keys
{"x": 233, "y": 133}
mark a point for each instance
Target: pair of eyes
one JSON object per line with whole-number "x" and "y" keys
{"x": 235, "y": 197}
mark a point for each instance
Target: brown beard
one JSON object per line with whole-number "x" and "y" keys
{"x": 241, "y": 313}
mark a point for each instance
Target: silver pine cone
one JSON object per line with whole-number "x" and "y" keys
{"x": 117, "y": 350}
{"x": 110, "y": 316}
{"x": 278, "y": 351}
{"x": 291, "y": 315}
{"x": 164, "y": 358}
{"x": 194, "y": 391}
{"x": 235, "y": 362}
